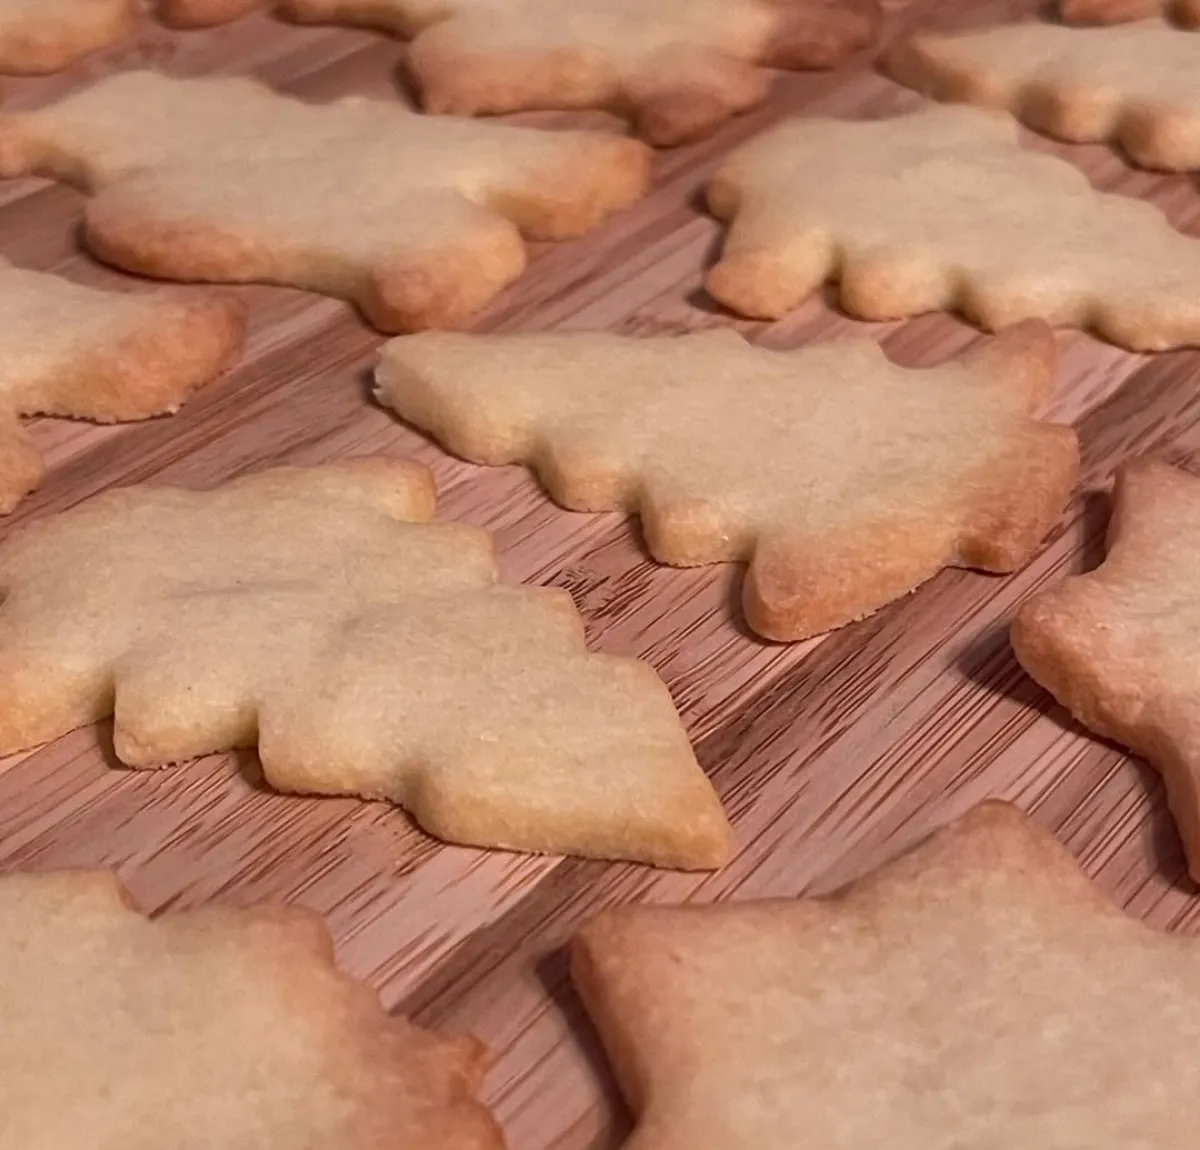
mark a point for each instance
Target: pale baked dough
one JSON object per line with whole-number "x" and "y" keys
{"x": 109, "y": 356}
{"x": 208, "y": 1030}
{"x": 316, "y": 613}
{"x": 416, "y": 219}
{"x": 1137, "y": 86}
{"x": 942, "y": 209}
{"x": 977, "y": 992}
{"x": 844, "y": 480}
{"x": 1119, "y": 647}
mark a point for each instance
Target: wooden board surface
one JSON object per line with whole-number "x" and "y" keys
{"x": 829, "y": 755}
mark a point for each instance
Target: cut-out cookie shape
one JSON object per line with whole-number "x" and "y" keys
{"x": 1186, "y": 13}
{"x": 1138, "y": 86}
{"x": 70, "y": 350}
{"x": 367, "y": 652}
{"x": 978, "y": 991}
{"x": 416, "y": 219}
{"x": 941, "y": 209}
{"x": 677, "y": 67}
{"x": 1118, "y": 646}
{"x": 39, "y": 36}
{"x": 844, "y": 480}
{"x": 208, "y": 1029}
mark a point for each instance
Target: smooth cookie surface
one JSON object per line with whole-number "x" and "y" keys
{"x": 316, "y": 613}
{"x": 844, "y": 480}
{"x": 943, "y": 210}
{"x": 74, "y": 351}
{"x": 1137, "y": 86}
{"x": 418, "y": 220}
{"x": 978, "y": 991}
{"x": 677, "y": 67}
{"x": 38, "y": 36}
{"x": 1119, "y": 647}
{"x": 208, "y": 1030}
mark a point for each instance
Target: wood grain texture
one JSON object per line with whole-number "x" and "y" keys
{"x": 830, "y": 755}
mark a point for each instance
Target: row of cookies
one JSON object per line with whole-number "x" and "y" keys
{"x": 974, "y": 222}
{"x": 1135, "y": 86}
{"x": 677, "y": 67}
{"x": 291, "y": 1051}
{"x": 976, "y": 988}
{"x": 774, "y": 257}
{"x": 613, "y": 956}
{"x": 845, "y": 482}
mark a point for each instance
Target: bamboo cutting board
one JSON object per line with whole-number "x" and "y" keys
{"x": 829, "y": 755}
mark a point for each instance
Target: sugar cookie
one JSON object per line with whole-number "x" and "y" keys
{"x": 314, "y": 612}
{"x": 1118, "y": 646}
{"x": 208, "y": 1030}
{"x": 416, "y": 219}
{"x": 70, "y": 350}
{"x": 1138, "y": 86}
{"x": 942, "y": 209}
{"x": 678, "y": 68}
{"x": 844, "y": 480}
{"x": 38, "y": 36}
{"x": 978, "y": 991}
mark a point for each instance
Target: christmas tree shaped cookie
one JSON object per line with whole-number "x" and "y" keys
{"x": 844, "y": 480}
{"x": 365, "y": 651}
{"x": 943, "y": 210}
{"x": 213, "y": 1029}
{"x": 978, "y": 991}
{"x": 418, "y": 220}
{"x": 1138, "y": 86}
{"x": 677, "y": 67}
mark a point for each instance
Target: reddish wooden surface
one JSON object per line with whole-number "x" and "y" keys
{"x": 829, "y": 754}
